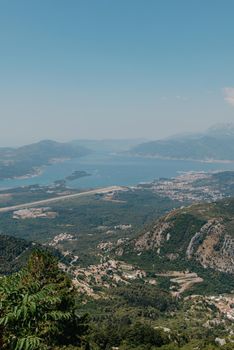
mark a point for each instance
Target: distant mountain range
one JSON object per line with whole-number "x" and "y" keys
{"x": 25, "y": 160}
{"x": 217, "y": 143}
{"x": 108, "y": 145}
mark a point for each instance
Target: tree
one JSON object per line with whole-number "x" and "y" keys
{"x": 38, "y": 307}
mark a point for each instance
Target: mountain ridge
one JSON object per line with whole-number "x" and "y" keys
{"x": 26, "y": 160}
{"x": 200, "y": 233}
{"x": 216, "y": 144}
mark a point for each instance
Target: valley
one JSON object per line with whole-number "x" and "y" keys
{"x": 160, "y": 253}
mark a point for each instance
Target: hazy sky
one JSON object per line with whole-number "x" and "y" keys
{"x": 114, "y": 68}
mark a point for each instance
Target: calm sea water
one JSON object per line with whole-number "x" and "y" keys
{"x": 109, "y": 169}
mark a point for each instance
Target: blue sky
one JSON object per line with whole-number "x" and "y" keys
{"x": 114, "y": 68}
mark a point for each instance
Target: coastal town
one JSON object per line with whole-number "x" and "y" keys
{"x": 188, "y": 187}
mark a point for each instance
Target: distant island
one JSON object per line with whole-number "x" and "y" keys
{"x": 77, "y": 175}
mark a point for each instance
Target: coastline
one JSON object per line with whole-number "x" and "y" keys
{"x": 36, "y": 171}
{"x": 211, "y": 161}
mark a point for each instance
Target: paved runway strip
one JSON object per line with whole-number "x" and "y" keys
{"x": 57, "y": 199}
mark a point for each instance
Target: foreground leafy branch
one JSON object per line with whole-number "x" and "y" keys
{"x": 38, "y": 307}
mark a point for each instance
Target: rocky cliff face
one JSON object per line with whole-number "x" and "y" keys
{"x": 217, "y": 249}
{"x": 154, "y": 238}
{"x": 203, "y": 233}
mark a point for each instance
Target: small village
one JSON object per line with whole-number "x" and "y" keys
{"x": 34, "y": 213}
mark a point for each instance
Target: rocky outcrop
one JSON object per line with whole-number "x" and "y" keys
{"x": 154, "y": 238}
{"x": 201, "y": 233}
{"x": 212, "y": 247}
{"x": 210, "y": 227}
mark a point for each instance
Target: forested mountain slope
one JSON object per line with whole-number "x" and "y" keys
{"x": 25, "y": 160}
{"x": 201, "y": 233}
{"x": 14, "y": 253}
{"x": 215, "y": 144}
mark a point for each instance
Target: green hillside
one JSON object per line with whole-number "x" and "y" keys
{"x": 25, "y": 160}
{"x": 198, "y": 238}
{"x": 215, "y": 144}
{"x": 14, "y": 253}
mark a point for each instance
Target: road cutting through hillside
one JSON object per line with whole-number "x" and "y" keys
{"x": 104, "y": 190}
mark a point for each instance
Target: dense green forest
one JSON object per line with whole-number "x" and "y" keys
{"x": 14, "y": 253}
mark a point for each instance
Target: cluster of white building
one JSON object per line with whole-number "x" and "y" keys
{"x": 185, "y": 188}
{"x": 33, "y": 213}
